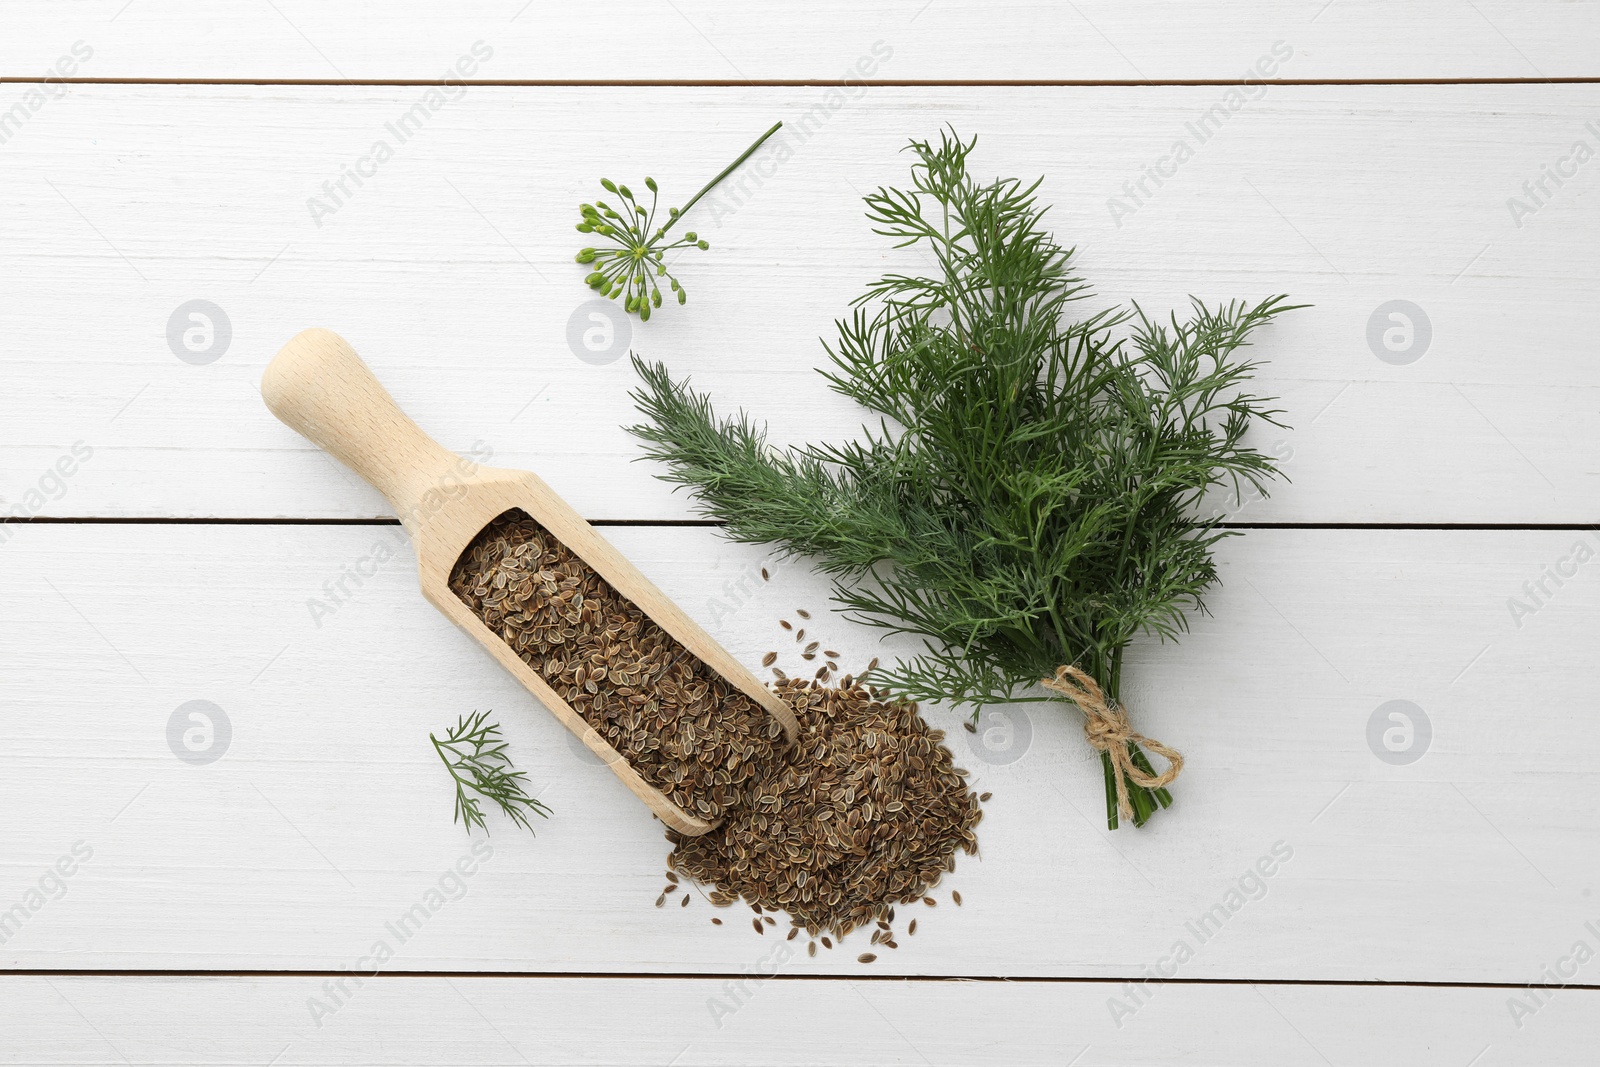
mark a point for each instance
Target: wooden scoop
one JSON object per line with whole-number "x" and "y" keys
{"x": 320, "y": 387}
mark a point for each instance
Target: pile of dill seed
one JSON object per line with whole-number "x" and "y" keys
{"x": 687, "y": 731}
{"x": 865, "y": 811}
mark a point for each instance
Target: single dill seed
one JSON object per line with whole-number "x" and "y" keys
{"x": 764, "y": 575}
{"x": 811, "y": 949}
{"x": 866, "y": 957}
{"x": 683, "y": 902}
{"x": 955, "y": 895}
{"x": 757, "y": 924}
{"x": 715, "y": 921}
{"x": 969, "y": 728}
{"x": 785, "y": 624}
{"x": 662, "y": 899}
{"x": 930, "y": 902}
{"x": 672, "y": 878}
{"x": 985, "y": 795}
{"x": 769, "y": 659}
{"x": 803, "y": 613}
{"x": 912, "y": 929}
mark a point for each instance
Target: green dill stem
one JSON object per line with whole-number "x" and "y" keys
{"x": 712, "y": 184}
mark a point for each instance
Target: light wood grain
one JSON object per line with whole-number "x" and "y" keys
{"x": 452, "y": 269}
{"x": 329, "y": 815}
{"x": 336, "y": 40}
{"x": 475, "y": 1021}
{"x": 319, "y": 386}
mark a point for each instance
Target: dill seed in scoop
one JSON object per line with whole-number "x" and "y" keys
{"x": 685, "y": 729}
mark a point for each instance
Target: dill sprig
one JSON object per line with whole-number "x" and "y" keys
{"x": 475, "y": 755}
{"x": 631, "y": 270}
{"x": 1030, "y": 495}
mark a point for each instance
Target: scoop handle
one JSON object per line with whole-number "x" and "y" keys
{"x": 318, "y": 386}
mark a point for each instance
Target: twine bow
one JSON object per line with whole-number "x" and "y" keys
{"x": 1105, "y": 724}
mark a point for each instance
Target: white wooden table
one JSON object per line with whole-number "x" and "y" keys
{"x": 168, "y": 535}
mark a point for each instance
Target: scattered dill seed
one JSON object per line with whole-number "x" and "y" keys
{"x": 683, "y": 901}
{"x": 866, "y": 957}
{"x": 826, "y": 943}
{"x": 955, "y": 895}
{"x": 985, "y": 795}
{"x": 757, "y": 924}
{"x": 830, "y": 655}
{"x": 793, "y": 930}
{"x": 672, "y": 878}
{"x": 764, "y": 575}
{"x": 718, "y": 922}
{"x": 662, "y": 899}
{"x": 670, "y": 889}
{"x": 912, "y": 929}
{"x": 811, "y": 949}
{"x": 769, "y": 659}
{"x": 785, "y": 624}
{"x": 930, "y": 902}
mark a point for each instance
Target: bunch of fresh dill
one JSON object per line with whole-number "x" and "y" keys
{"x": 1028, "y": 500}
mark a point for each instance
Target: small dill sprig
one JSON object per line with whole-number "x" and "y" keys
{"x": 475, "y": 755}
{"x": 631, "y": 269}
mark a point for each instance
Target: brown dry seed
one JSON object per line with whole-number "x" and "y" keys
{"x": 830, "y": 655}
{"x": 672, "y": 878}
{"x": 912, "y": 929}
{"x": 785, "y": 624}
{"x": 985, "y": 796}
{"x": 764, "y": 575}
{"x": 685, "y": 729}
{"x": 969, "y": 728}
{"x": 811, "y": 949}
{"x": 757, "y": 924}
{"x": 803, "y": 613}
{"x": 862, "y": 813}
{"x": 955, "y": 895}
{"x": 671, "y": 888}
{"x": 714, "y": 920}
{"x": 792, "y": 931}
{"x": 866, "y": 957}
{"x": 930, "y": 902}
{"x": 769, "y": 920}
{"x": 683, "y": 902}
{"x": 662, "y": 899}
{"x": 769, "y": 659}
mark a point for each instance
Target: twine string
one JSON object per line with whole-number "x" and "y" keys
{"x": 1105, "y": 724}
